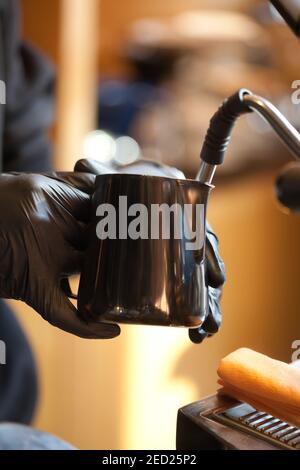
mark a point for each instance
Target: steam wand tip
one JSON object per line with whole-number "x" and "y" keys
{"x": 221, "y": 125}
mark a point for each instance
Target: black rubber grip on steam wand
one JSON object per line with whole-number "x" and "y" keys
{"x": 221, "y": 125}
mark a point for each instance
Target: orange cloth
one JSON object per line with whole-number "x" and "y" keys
{"x": 268, "y": 385}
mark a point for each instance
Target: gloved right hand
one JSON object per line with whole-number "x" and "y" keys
{"x": 42, "y": 235}
{"x": 215, "y": 272}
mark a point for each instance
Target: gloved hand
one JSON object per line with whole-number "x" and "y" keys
{"x": 42, "y": 228}
{"x": 215, "y": 270}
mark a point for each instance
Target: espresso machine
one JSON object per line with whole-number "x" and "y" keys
{"x": 220, "y": 422}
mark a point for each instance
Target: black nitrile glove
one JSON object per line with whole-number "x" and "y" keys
{"x": 214, "y": 265}
{"x": 42, "y": 233}
{"x": 215, "y": 272}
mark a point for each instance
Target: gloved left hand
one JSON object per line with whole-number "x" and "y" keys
{"x": 215, "y": 270}
{"x": 42, "y": 232}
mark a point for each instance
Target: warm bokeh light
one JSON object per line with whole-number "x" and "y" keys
{"x": 127, "y": 150}
{"x": 99, "y": 145}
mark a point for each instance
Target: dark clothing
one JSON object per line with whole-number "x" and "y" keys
{"x": 18, "y": 377}
{"x": 24, "y": 146}
{"x": 29, "y": 97}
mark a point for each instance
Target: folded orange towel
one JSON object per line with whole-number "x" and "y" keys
{"x": 268, "y": 385}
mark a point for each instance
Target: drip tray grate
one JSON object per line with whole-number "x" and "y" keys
{"x": 264, "y": 426}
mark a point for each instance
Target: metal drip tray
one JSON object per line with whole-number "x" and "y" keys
{"x": 262, "y": 425}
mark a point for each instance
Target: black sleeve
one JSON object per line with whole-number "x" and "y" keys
{"x": 29, "y": 100}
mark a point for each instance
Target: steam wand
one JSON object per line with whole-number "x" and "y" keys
{"x": 221, "y": 125}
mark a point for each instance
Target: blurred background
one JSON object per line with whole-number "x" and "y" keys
{"x": 142, "y": 78}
